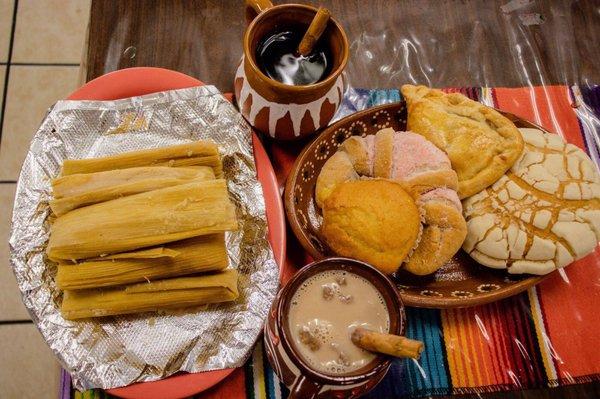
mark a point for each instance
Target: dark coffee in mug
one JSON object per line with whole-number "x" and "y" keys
{"x": 277, "y": 57}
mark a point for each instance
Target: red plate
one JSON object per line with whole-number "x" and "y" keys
{"x": 139, "y": 81}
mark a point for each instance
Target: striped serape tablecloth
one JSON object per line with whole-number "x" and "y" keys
{"x": 545, "y": 337}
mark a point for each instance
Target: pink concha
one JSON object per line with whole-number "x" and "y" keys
{"x": 442, "y": 193}
{"x": 413, "y": 154}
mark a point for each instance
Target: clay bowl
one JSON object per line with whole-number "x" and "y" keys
{"x": 461, "y": 282}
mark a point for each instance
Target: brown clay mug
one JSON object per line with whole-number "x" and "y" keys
{"x": 284, "y": 111}
{"x": 286, "y": 360}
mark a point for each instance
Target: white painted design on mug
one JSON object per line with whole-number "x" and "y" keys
{"x": 278, "y": 111}
{"x": 271, "y": 347}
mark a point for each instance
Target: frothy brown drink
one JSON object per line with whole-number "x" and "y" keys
{"x": 324, "y": 312}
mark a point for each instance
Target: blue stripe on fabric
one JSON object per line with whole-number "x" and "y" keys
{"x": 426, "y": 325}
{"x": 404, "y": 377}
{"x": 270, "y": 378}
{"x": 382, "y": 96}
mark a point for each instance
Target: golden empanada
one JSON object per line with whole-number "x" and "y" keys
{"x": 481, "y": 143}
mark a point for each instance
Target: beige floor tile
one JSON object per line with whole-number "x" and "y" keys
{"x": 6, "y": 15}
{"x": 31, "y": 90}
{"x": 50, "y": 31}
{"x": 28, "y": 366}
{"x": 11, "y": 306}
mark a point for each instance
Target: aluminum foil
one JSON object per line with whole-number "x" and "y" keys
{"x": 118, "y": 351}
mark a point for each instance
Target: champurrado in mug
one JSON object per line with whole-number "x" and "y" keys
{"x": 346, "y": 296}
{"x": 324, "y": 312}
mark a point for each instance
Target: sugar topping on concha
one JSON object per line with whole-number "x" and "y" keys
{"x": 417, "y": 164}
{"x": 543, "y": 214}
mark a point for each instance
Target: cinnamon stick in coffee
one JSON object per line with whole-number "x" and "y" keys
{"x": 314, "y": 32}
{"x": 393, "y": 345}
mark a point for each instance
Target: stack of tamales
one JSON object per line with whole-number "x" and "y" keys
{"x": 142, "y": 231}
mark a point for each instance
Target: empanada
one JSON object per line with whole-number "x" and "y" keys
{"x": 481, "y": 143}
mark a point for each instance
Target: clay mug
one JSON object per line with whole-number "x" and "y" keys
{"x": 284, "y": 111}
{"x": 287, "y": 362}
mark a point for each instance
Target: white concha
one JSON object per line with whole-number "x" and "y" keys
{"x": 542, "y": 215}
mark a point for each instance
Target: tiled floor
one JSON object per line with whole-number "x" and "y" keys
{"x": 41, "y": 43}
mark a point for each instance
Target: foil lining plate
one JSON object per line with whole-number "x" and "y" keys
{"x": 117, "y": 351}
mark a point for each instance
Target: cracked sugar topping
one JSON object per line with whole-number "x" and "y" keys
{"x": 542, "y": 215}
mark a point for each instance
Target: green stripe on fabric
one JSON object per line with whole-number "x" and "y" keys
{"x": 249, "y": 379}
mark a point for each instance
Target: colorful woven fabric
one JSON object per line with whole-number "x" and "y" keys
{"x": 542, "y": 338}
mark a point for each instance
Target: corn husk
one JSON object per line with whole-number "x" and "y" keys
{"x": 196, "y": 153}
{"x": 151, "y": 296}
{"x": 82, "y": 183}
{"x": 74, "y": 191}
{"x": 214, "y": 162}
{"x": 142, "y": 220}
{"x": 150, "y": 253}
{"x": 194, "y": 255}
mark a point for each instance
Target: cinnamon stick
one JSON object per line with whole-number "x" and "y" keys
{"x": 314, "y": 32}
{"x": 393, "y": 345}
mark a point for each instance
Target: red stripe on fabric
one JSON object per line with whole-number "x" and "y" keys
{"x": 499, "y": 349}
{"x": 499, "y": 342}
{"x": 527, "y": 361}
{"x": 532, "y": 343}
{"x": 548, "y": 106}
{"x": 514, "y": 335}
{"x": 569, "y": 309}
{"x": 470, "y": 92}
{"x": 487, "y": 345}
{"x": 233, "y": 387}
{"x": 516, "y": 361}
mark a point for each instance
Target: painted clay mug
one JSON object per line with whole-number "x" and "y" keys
{"x": 286, "y": 360}
{"x": 284, "y": 111}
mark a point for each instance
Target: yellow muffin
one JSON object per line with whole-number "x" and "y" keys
{"x": 376, "y": 221}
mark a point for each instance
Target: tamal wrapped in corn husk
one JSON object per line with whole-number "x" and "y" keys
{"x": 151, "y": 296}
{"x": 204, "y": 153}
{"x": 150, "y": 253}
{"x": 142, "y": 220}
{"x": 194, "y": 255}
{"x": 74, "y": 191}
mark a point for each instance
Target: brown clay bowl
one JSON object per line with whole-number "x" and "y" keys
{"x": 461, "y": 282}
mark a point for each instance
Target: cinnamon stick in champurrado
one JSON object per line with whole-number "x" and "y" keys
{"x": 393, "y": 345}
{"x": 314, "y": 32}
